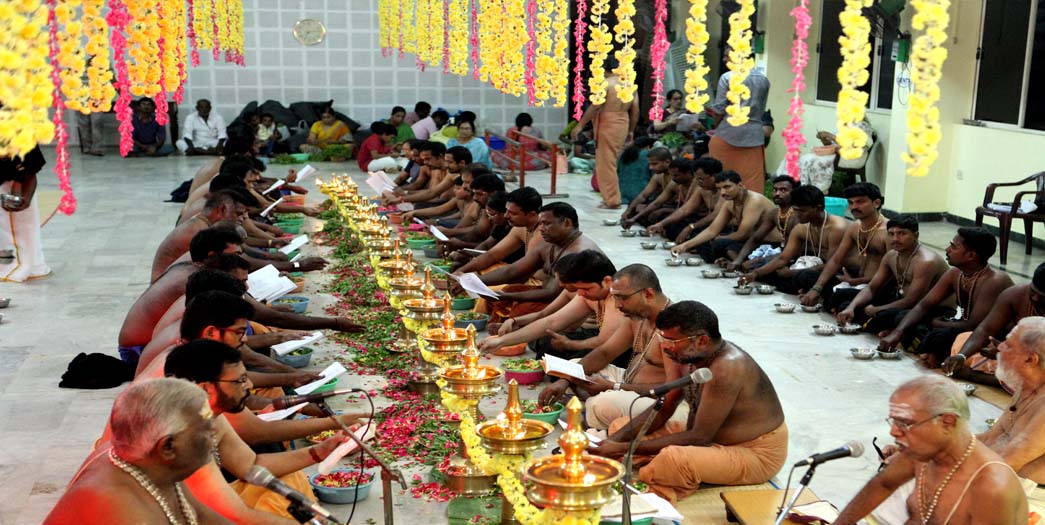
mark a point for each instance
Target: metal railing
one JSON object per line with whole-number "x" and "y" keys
{"x": 517, "y": 159}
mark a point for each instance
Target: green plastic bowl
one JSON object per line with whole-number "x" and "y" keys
{"x": 443, "y": 267}
{"x": 643, "y": 521}
{"x": 289, "y": 227}
{"x": 420, "y": 244}
{"x": 550, "y": 417}
{"x": 300, "y": 157}
{"x": 462, "y": 303}
{"x": 329, "y": 386}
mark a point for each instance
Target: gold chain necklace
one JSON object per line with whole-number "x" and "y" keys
{"x": 927, "y": 513}
{"x": 782, "y": 220}
{"x": 901, "y": 278}
{"x": 154, "y": 491}
{"x": 960, "y": 285}
{"x": 637, "y": 357}
{"x": 870, "y": 237}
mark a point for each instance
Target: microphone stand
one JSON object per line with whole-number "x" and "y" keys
{"x": 303, "y": 515}
{"x": 629, "y": 457}
{"x": 794, "y": 498}
{"x": 388, "y": 472}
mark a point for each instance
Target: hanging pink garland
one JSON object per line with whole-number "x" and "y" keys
{"x": 793, "y": 137}
{"x": 192, "y": 40}
{"x": 658, "y": 50}
{"x": 531, "y": 52}
{"x": 161, "y": 98}
{"x": 215, "y": 50}
{"x": 446, "y": 37}
{"x": 61, "y": 165}
{"x": 579, "y": 29}
{"x": 399, "y": 6}
{"x": 118, "y": 18}
{"x": 474, "y": 39}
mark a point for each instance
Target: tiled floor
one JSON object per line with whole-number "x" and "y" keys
{"x": 101, "y": 258}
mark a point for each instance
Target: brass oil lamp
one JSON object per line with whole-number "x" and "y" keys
{"x": 421, "y": 314}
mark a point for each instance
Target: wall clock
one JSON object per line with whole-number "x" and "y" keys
{"x": 309, "y": 31}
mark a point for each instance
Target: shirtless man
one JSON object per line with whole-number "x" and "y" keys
{"x": 462, "y": 208}
{"x": 772, "y": 231}
{"x": 734, "y": 221}
{"x": 858, "y": 257}
{"x": 908, "y": 271}
{"x": 1016, "y": 303}
{"x": 438, "y": 180}
{"x": 162, "y": 431}
{"x": 500, "y": 227}
{"x": 680, "y": 184}
{"x": 974, "y": 285}
{"x": 658, "y": 159}
{"x": 637, "y": 293}
{"x": 222, "y": 206}
{"x": 469, "y": 235}
{"x": 817, "y": 236}
{"x": 735, "y": 434}
{"x": 929, "y": 418}
{"x": 697, "y": 209}
{"x": 522, "y": 211}
{"x": 560, "y": 234}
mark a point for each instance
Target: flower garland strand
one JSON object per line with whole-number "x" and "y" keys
{"x": 397, "y": 26}
{"x": 409, "y": 10}
{"x": 927, "y": 58}
{"x": 624, "y": 33}
{"x": 143, "y": 34}
{"x": 459, "y": 37}
{"x": 25, "y": 82}
{"x": 423, "y": 26}
{"x": 530, "y": 74}
{"x": 473, "y": 39}
{"x": 512, "y": 53}
{"x": 561, "y": 78}
{"x": 658, "y": 50}
{"x": 696, "y": 76}
{"x": 793, "y": 136}
{"x": 194, "y": 54}
{"x": 446, "y": 36}
{"x": 545, "y": 67}
{"x": 118, "y": 19}
{"x": 61, "y": 166}
{"x": 204, "y": 25}
{"x": 384, "y": 26}
{"x": 163, "y": 49}
{"x": 68, "y": 57}
{"x": 599, "y": 47}
{"x": 856, "y": 56}
{"x": 740, "y": 62}
{"x": 99, "y": 71}
{"x": 580, "y": 26}
{"x": 181, "y": 23}
{"x": 235, "y": 55}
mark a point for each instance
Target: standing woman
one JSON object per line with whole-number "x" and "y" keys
{"x": 475, "y": 145}
{"x": 614, "y": 126}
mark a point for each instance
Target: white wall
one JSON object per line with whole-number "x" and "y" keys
{"x": 347, "y": 67}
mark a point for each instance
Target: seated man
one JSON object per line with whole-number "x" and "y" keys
{"x": 929, "y": 418}
{"x": 734, "y": 220}
{"x": 522, "y": 211}
{"x": 908, "y": 271}
{"x": 435, "y": 181}
{"x": 148, "y": 135}
{"x": 460, "y": 209}
{"x": 560, "y": 329}
{"x": 660, "y": 179}
{"x": 560, "y": 235}
{"x": 815, "y": 239}
{"x": 225, "y": 205}
{"x": 1016, "y": 303}
{"x": 696, "y": 208}
{"x": 428, "y": 125}
{"x": 932, "y": 326}
{"x": 736, "y": 433}
{"x": 500, "y": 227}
{"x": 773, "y": 230}
{"x": 162, "y": 433}
{"x": 859, "y": 255}
{"x": 203, "y": 132}
{"x": 410, "y": 172}
{"x": 468, "y": 234}
{"x": 680, "y": 173}
{"x": 613, "y": 390}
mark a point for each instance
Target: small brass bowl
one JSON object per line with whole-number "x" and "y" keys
{"x": 710, "y": 274}
{"x": 667, "y": 245}
{"x": 610, "y": 222}
{"x": 628, "y": 233}
{"x": 812, "y": 309}
{"x": 494, "y": 438}
{"x": 862, "y": 353}
{"x": 728, "y": 274}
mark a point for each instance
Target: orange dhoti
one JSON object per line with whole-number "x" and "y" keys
{"x": 976, "y": 360}
{"x": 750, "y": 162}
{"x": 500, "y": 310}
{"x": 611, "y": 131}
{"x": 677, "y": 471}
{"x": 260, "y": 498}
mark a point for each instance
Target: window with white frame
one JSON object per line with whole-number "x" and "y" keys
{"x": 1011, "y": 64}
{"x": 881, "y": 70}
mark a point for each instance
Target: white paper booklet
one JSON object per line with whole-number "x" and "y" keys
{"x": 277, "y": 415}
{"x": 335, "y": 369}
{"x": 294, "y": 244}
{"x": 289, "y": 346}
{"x": 559, "y": 367}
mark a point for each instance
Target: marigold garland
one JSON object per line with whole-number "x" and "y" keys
{"x": 856, "y": 56}
{"x": 236, "y": 43}
{"x": 203, "y": 22}
{"x": 561, "y": 78}
{"x": 545, "y": 65}
{"x": 740, "y": 62}
{"x": 658, "y": 50}
{"x": 99, "y": 71}
{"x": 384, "y": 25}
{"x": 513, "y": 46}
{"x": 409, "y": 39}
{"x": 396, "y": 26}
{"x": 25, "y": 83}
{"x": 459, "y": 37}
{"x": 488, "y": 17}
{"x": 222, "y": 39}
{"x": 424, "y": 32}
{"x": 927, "y": 58}
{"x": 599, "y": 47}
{"x": 793, "y": 136}
{"x": 473, "y": 39}
{"x": 530, "y": 74}
{"x": 143, "y": 35}
{"x": 70, "y": 60}
{"x": 624, "y": 32}
{"x": 696, "y": 76}
{"x": 446, "y": 36}
{"x": 579, "y": 28}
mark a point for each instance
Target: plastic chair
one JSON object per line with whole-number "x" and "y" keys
{"x": 1006, "y": 216}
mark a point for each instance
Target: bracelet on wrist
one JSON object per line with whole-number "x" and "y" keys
{"x": 817, "y": 289}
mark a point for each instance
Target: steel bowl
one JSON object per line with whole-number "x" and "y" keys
{"x": 694, "y": 261}
{"x": 730, "y": 274}
{"x": 862, "y": 353}
{"x": 673, "y": 261}
{"x": 765, "y": 289}
{"x": 610, "y": 222}
{"x": 968, "y": 388}
{"x": 824, "y": 329}
{"x": 812, "y": 309}
{"x": 785, "y": 308}
{"x": 894, "y": 354}
{"x": 710, "y": 274}
{"x": 628, "y": 233}
{"x": 849, "y": 328}
{"x": 648, "y": 245}
{"x": 743, "y": 290}
{"x": 5, "y": 302}
{"x": 667, "y": 245}
{"x": 644, "y": 233}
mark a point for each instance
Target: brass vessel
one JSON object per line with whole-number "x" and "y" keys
{"x": 509, "y": 433}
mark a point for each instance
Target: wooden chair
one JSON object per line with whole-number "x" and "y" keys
{"x": 1006, "y": 216}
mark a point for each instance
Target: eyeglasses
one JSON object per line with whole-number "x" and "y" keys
{"x": 239, "y": 332}
{"x": 906, "y": 427}
{"x": 674, "y": 343}
{"x": 243, "y": 379}
{"x": 624, "y": 297}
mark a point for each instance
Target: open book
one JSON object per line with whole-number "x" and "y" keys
{"x": 564, "y": 369}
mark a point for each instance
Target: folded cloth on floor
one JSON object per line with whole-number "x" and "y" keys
{"x": 765, "y": 250}
{"x": 96, "y": 371}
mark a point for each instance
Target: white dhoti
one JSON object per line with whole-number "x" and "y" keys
{"x": 20, "y": 233}
{"x": 388, "y": 164}
{"x": 601, "y": 409}
{"x": 893, "y": 511}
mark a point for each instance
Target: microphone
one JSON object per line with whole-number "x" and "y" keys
{"x": 261, "y": 477}
{"x": 700, "y": 375}
{"x": 852, "y": 448}
{"x": 288, "y": 401}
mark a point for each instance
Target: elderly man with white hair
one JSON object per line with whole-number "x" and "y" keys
{"x": 162, "y": 432}
{"x": 954, "y": 477}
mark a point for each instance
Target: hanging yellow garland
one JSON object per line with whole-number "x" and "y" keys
{"x": 71, "y": 55}
{"x": 203, "y": 23}
{"x": 560, "y": 80}
{"x": 395, "y": 25}
{"x": 236, "y": 29}
{"x": 221, "y": 25}
{"x": 546, "y": 65}
{"x": 624, "y": 32}
{"x": 25, "y": 83}
{"x": 927, "y": 58}
{"x": 696, "y": 75}
{"x": 384, "y": 23}
{"x": 143, "y": 32}
{"x": 409, "y": 28}
{"x": 740, "y": 62}
{"x": 856, "y": 56}
{"x": 489, "y": 41}
{"x": 99, "y": 71}
{"x": 459, "y": 30}
{"x": 514, "y": 45}
{"x": 599, "y": 47}
{"x": 171, "y": 44}
{"x": 438, "y": 31}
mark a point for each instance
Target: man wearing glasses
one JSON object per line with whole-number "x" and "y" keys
{"x": 735, "y": 433}
{"x": 939, "y": 471}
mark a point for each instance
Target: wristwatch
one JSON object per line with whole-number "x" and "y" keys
{"x": 616, "y": 386}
